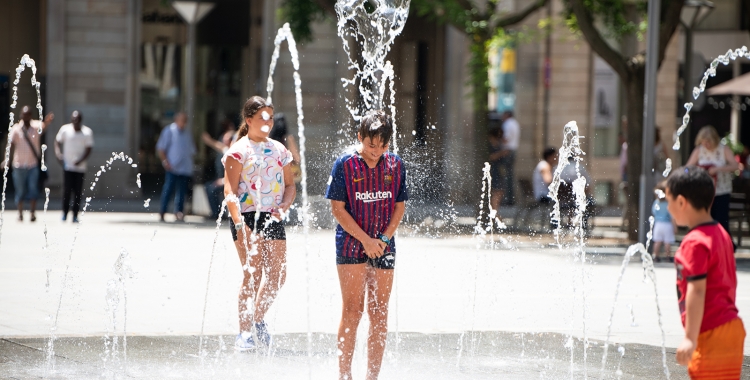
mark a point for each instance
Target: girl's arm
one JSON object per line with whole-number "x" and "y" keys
{"x": 232, "y": 172}
{"x": 398, "y": 214}
{"x": 695, "y": 302}
{"x": 373, "y": 247}
{"x": 290, "y": 192}
{"x": 693, "y": 160}
{"x": 732, "y": 164}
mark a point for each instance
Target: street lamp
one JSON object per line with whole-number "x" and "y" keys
{"x": 192, "y": 12}
{"x": 693, "y": 12}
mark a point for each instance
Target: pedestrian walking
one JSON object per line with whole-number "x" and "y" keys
{"x": 496, "y": 148}
{"x": 664, "y": 228}
{"x": 26, "y": 152}
{"x": 176, "y": 150}
{"x": 367, "y": 189}
{"x": 280, "y": 133}
{"x": 260, "y": 188}
{"x": 215, "y": 188}
{"x": 73, "y": 145}
{"x": 511, "y": 138}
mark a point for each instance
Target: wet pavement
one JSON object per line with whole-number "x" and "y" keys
{"x": 524, "y": 296}
{"x": 479, "y": 355}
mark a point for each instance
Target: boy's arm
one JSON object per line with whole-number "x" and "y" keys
{"x": 398, "y": 214}
{"x": 373, "y": 247}
{"x": 695, "y": 302}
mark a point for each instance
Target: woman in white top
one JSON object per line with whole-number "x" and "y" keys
{"x": 718, "y": 160}
{"x": 258, "y": 178}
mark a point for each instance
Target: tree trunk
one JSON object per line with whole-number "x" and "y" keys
{"x": 634, "y": 87}
{"x": 479, "y": 65}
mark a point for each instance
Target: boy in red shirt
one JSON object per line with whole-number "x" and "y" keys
{"x": 706, "y": 281}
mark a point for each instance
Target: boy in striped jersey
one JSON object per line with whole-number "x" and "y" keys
{"x": 367, "y": 189}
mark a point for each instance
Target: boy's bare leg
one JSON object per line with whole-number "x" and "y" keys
{"x": 20, "y": 210}
{"x": 352, "y": 278}
{"x": 273, "y": 253}
{"x": 379, "y": 284}
{"x": 251, "y": 278}
{"x": 657, "y": 247}
{"x": 667, "y": 250}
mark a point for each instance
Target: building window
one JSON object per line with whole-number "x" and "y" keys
{"x": 606, "y": 108}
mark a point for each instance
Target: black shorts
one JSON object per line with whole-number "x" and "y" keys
{"x": 265, "y": 227}
{"x": 387, "y": 261}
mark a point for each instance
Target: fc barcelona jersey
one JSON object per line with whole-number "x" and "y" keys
{"x": 369, "y": 194}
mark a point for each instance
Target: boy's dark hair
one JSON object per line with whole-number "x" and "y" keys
{"x": 376, "y": 124}
{"x": 694, "y": 184}
{"x": 549, "y": 152}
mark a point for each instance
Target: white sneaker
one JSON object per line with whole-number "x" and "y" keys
{"x": 244, "y": 342}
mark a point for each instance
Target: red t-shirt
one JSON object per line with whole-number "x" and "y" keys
{"x": 707, "y": 252}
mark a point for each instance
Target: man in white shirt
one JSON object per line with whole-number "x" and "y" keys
{"x": 512, "y": 136}
{"x": 72, "y": 147}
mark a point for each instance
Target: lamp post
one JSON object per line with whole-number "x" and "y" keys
{"x": 693, "y": 12}
{"x": 649, "y": 119}
{"x": 192, "y": 12}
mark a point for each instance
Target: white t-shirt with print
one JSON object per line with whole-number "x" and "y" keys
{"x": 262, "y": 178}
{"x": 74, "y": 144}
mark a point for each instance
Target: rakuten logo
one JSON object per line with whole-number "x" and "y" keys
{"x": 369, "y": 196}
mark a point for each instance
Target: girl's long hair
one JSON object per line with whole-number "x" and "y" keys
{"x": 251, "y": 107}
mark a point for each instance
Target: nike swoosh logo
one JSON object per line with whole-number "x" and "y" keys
{"x": 358, "y": 180}
{"x": 372, "y": 200}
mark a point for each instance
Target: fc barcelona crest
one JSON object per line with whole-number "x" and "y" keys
{"x": 388, "y": 179}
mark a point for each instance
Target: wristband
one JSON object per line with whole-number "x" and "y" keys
{"x": 384, "y": 239}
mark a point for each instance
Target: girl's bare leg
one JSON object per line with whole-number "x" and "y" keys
{"x": 252, "y": 268}
{"x": 379, "y": 284}
{"x": 352, "y": 278}
{"x": 273, "y": 255}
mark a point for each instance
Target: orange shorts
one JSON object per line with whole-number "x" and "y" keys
{"x": 719, "y": 353}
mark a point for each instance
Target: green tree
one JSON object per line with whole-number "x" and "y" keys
{"x": 600, "y": 21}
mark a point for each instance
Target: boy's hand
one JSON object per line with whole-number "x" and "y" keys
{"x": 685, "y": 351}
{"x": 373, "y": 247}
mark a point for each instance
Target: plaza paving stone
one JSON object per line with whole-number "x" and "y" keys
{"x": 459, "y": 309}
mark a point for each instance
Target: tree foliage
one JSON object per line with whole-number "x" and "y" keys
{"x": 301, "y": 14}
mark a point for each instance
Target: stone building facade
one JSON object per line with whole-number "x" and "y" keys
{"x": 108, "y": 58}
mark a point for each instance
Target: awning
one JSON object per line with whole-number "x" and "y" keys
{"x": 736, "y": 86}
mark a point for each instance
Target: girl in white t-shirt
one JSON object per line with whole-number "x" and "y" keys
{"x": 258, "y": 177}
